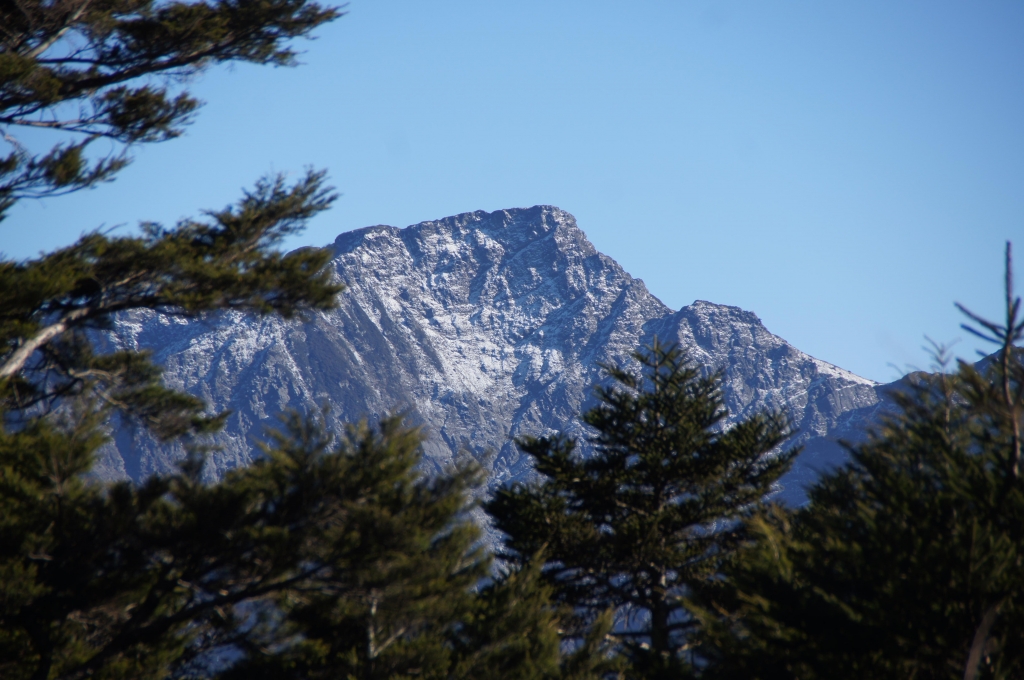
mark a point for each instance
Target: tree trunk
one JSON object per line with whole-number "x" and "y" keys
{"x": 980, "y": 641}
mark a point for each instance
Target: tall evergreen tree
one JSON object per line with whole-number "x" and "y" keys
{"x": 319, "y": 560}
{"x": 137, "y": 581}
{"x": 652, "y": 512}
{"x": 117, "y": 581}
{"x": 401, "y": 585}
{"x": 400, "y": 559}
{"x": 907, "y": 562}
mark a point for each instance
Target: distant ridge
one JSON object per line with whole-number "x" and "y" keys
{"x": 482, "y": 326}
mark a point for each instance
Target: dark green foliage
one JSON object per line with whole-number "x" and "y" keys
{"x": 909, "y": 561}
{"x": 320, "y": 560}
{"x": 120, "y": 581}
{"x": 346, "y": 544}
{"x": 653, "y": 511}
{"x": 49, "y": 305}
{"x": 89, "y": 70}
{"x": 399, "y": 561}
{"x": 400, "y": 594}
{"x": 113, "y": 69}
{"x": 116, "y": 582}
{"x": 512, "y": 631}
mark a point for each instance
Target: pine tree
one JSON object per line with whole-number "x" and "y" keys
{"x": 136, "y": 581}
{"x": 398, "y": 581}
{"x": 117, "y": 70}
{"x": 114, "y": 70}
{"x": 907, "y": 562}
{"x": 400, "y": 558}
{"x": 118, "y": 581}
{"x": 652, "y": 512}
{"x": 49, "y": 306}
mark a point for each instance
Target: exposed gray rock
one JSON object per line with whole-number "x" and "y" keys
{"x": 482, "y": 326}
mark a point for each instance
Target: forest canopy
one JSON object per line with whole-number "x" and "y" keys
{"x": 661, "y": 554}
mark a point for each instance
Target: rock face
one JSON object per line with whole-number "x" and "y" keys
{"x": 482, "y": 327}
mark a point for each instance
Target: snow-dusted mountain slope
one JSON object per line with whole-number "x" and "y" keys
{"x": 482, "y": 326}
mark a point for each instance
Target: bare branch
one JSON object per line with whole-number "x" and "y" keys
{"x": 17, "y": 360}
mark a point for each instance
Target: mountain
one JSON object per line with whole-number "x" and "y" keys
{"x": 481, "y": 327}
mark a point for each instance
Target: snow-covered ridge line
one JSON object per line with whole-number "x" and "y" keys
{"x": 483, "y": 326}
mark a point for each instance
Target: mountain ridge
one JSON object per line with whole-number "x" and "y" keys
{"x": 482, "y": 326}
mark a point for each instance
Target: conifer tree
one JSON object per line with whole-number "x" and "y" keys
{"x": 137, "y": 581}
{"x": 118, "y": 581}
{"x": 115, "y": 70}
{"x": 400, "y": 558}
{"x": 651, "y": 513}
{"x": 908, "y": 561}
{"x": 398, "y": 587}
{"x": 512, "y": 631}
{"x": 320, "y": 560}
{"x": 49, "y": 305}
{"x": 317, "y": 559}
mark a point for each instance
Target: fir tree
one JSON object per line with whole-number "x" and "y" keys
{"x": 652, "y": 512}
{"x": 512, "y": 631}
{"x": 319, "y": 559}
{"x": 49, "y": 305}
{"x": 137, "y": 581}
{"x": 908, "y": 561}
{"x": 118, "y": 581}
{"x": 117, "y": 70}
{"x": 399, "y": 560}
{"x": 114, "y": 70}
{"x": 396, "y": 580}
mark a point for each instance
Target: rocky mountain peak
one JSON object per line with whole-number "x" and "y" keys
{"x": 482, "y": 327}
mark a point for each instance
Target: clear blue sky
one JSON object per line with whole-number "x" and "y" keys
{"x": 845, "y": 170}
